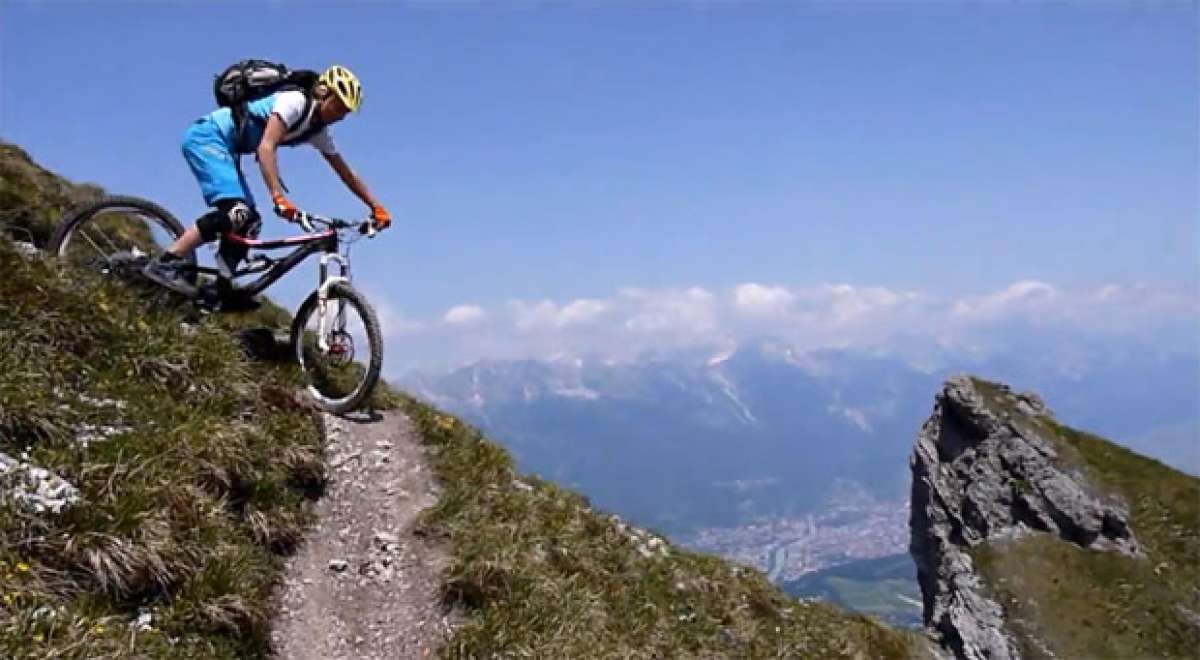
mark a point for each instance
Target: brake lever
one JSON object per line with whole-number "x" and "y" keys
{"x": 304, "y": 222}
{"x": 368, "y": 228}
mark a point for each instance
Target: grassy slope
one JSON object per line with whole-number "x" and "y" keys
{"x": 541, "y": 574}
{"x": 1080, "y": 603}
{"x": 32, "y": 198}
{"x": 873, "y": 586}
{"x": 183, "y": 511}
{"x": 187, "y": 509}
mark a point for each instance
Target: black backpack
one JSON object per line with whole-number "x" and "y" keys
{"x": 250, "y": 80}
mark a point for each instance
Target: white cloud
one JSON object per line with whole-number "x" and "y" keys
{"x": 581, "y": 311}
{"x": 1026, "y": 295}
{"x": 680, "y": 313}
{"x": 762, "y": 301}
{"x": 544, "y": 314}
{"x": 1107, "y": 292}
{"x": 464, "y": 314}
{"x": 844, "y": 304}
{"x": 919, "y": 326}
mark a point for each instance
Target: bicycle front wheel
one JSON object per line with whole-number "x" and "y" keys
{"x": 327, "y": 338}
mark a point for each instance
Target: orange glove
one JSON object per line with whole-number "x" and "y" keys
{"x": 380, "y": 217}
{"x": 284, "y": 208}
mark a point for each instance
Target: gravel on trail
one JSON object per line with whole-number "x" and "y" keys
{"x": 362, "y": 585}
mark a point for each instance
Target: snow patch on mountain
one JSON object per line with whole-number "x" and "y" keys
{"x": 721, "y": 357}
{"x": 853, "y": 415}
{"x": 727, "y": 351}
{"x": 731, "y": 393}
{"x": 577, "y": 392}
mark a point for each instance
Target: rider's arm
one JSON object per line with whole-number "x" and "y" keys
{"x": 352, "y": 182}
{"x": 272, "y": 134}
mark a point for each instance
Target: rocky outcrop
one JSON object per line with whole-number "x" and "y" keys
{"x": 982, "y": 471}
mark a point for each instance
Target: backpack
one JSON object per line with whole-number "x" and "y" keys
{"x": 250, "y": 80}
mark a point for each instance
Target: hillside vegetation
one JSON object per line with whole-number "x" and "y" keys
{"x": 542, "y": 574}
{"x": 1065, "y": 601}
{"x": 194, "y": 469}
{"x": 193, "y": 466}
{"x": 885, "y": 587}
{"x": 32, "y": 199}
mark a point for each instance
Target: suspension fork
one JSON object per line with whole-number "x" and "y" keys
{"x": 323, "y": 285}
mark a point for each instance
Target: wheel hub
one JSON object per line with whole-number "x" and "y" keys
{"x": 341, "y": 349}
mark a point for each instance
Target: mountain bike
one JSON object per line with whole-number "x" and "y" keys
{"x": 117, "y": 236}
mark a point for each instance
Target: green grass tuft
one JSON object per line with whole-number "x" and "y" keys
{"x": 32, "y": 199}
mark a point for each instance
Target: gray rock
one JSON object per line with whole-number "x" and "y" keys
{"x": 979, "y": 476}
{"x": 386, "y": 538}
{"x": 33, "y": 488}
{"x": 27, "y": 250}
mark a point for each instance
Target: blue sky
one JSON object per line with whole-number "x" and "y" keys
{"x": 569, "y": 152}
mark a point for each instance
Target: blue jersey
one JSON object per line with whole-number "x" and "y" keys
{"x": 209, "y": 149}
{"x": 293, "y": 107}
{"x": 257, "y": 113}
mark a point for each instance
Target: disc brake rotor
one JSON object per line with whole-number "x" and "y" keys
{"x": 341, "y": 348}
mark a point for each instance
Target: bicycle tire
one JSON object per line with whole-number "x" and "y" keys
{"x": 78, "y": 216}
{"x": 370, "y": 377}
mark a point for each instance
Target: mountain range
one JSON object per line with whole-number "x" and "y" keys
{"x": 761, "y": 430}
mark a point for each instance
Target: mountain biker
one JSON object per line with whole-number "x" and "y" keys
{"x": 208, "y": 146}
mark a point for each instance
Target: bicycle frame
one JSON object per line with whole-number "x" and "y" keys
{"x": 326, "y": 242}
{"x": 306, "y": 245}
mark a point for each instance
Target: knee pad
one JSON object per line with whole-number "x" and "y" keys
{"x": 230, "y": 215}
{"x": 211, "y": 225}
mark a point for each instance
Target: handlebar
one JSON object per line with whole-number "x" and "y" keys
{"x": 306, "y": 220}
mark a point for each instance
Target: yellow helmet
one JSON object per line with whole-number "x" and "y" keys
{"x": 344, "y": 84}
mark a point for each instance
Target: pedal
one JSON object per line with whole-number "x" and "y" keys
{"x": 207, "y": 299}
{"x": 256, "y": 264}
{"x": 238, "y": 302}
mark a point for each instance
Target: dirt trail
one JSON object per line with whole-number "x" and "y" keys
{"x": 362, "y": 585}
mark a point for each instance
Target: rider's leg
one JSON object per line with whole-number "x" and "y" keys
{"x": 189, "y": 241}
{"x": 231, "y": 215}
{"x": 221, "y": 183}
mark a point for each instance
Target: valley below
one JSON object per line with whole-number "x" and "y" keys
{"x": 852, "y": 525}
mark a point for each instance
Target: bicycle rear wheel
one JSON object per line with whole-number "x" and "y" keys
{"x": 115, "y": 235}
{"x": 326, "y": 341}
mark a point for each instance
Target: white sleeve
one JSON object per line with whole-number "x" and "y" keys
{"x": 289, "y": 106}
{"x": 323, "y": 142}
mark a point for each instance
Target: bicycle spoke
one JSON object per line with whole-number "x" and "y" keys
{"x": 339, "y": 319}
{"x": 103, "y": 255}
{"x": 111, "y": 244}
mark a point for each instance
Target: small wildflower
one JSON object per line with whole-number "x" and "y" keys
{"x": 38, "y": 637}
{"x": 22, "y": 567}
{"x": 97, "y": 629}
